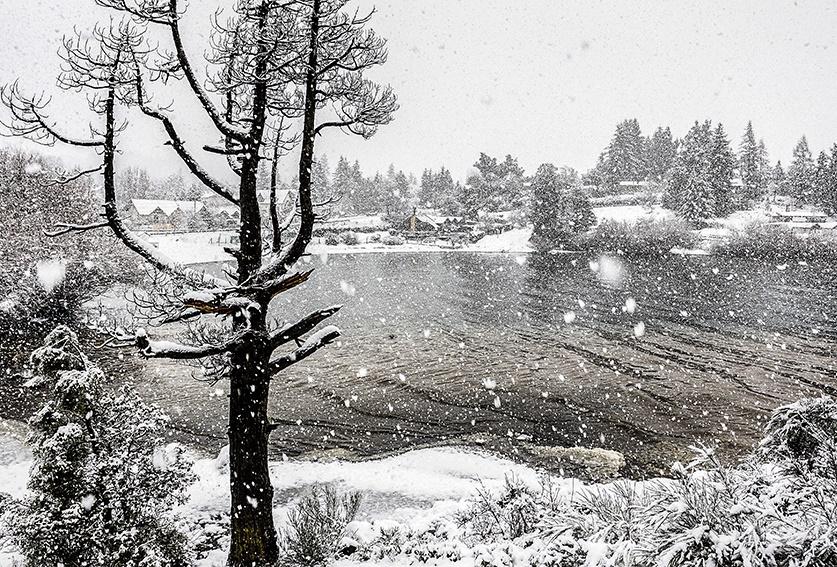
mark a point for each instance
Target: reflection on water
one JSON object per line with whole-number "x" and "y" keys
{"x": 547, "y": 349}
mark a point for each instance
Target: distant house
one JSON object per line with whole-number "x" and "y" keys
{"x": 419, "y": 223}
{"x": 162, "y": 214}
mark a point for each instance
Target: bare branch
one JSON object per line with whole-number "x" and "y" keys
{"x": 178, "y": 144}
{"x": 64, "y": 228}
{"x": 64, "y": 178}
{"x": 29, "y": 120}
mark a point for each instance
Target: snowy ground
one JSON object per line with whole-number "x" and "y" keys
{"x": 411, "y": 489}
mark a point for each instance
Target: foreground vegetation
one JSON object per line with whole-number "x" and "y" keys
{"x": 777, "y": 508}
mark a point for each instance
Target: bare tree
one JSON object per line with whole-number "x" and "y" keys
{"x": 273, "y": 63}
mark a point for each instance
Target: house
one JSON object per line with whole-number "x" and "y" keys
{"x": 162, "y": 214}
{"x": 419, "y": 223}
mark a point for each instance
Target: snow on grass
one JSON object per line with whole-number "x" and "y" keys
{"x": 631, "y": 213}
{"x": 515, "y": 240}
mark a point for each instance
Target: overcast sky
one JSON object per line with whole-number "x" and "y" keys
{"x": 544, "y": 80}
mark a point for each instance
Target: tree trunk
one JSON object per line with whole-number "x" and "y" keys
{"x": 253, "y": 535}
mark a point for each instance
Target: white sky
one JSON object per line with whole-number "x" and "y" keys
{"x": 544, "y": 80}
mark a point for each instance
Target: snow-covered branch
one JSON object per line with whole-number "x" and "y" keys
{"x": 176, "y": 351}
{"x": 294, "y": 331}
{"x": 312, "y": 344}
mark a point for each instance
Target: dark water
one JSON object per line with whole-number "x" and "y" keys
{"x": 725, "y": 341}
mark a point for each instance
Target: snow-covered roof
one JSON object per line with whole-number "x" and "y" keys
{"x": 359, "y": 221}
{"x": 147, "y": 206}
{"x": 229, "y": 210}
{"x": 441, "y": 219}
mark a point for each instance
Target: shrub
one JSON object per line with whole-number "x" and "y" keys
{"x": 507, "y": 515}
{"x": 776, "y": 242}
{"x": 349, "y": 238}
{"x": 646, "y": 237}
{"x": 101, "y": 487}
{"x": 802, "y": 434}
{"x": 767, "y": 511}
{"x": 332, "y": 239}
{"x": 393, "y": 240}
{"x": 316, "y": 525}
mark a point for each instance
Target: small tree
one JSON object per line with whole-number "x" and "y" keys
{"x": 102, "y": 486}
{"x": 560, "y": 210}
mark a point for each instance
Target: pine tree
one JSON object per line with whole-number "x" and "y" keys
{"x": 428, "y": 192}
{"x": 662, "y": 151}
{"x": 778, "y": 181}
{"x": 819, "y": 185}
{"x": 829, "y": 194}
{"x": 510, "y": 193}
{"x": 751, "y": 164}
{"x": 624, "y": 159}
{"x": 559, "y": 209}
{"x": 344, "y": 185}
{"x": 721, "y": 169}
{"x": 102, "y": 486}
{"x": 801, "y": 172}
{"x": 690, "y": 190}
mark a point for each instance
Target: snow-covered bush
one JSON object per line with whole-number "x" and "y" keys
{"x": 392, "y": 240}
{"x": 507, "y": 515}
{"x": 779, "y": 243}
{"x": 102, "y": 485}
{"x": 643, "y": 238}
{"x": 802, "y": 435}
{"x": 332, "y": 239}
{"x": 777, "y": 508}
{"x": 349, "y": 238}
{"x": 316, "y": 526}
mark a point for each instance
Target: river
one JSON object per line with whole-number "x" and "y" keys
{"x": 643, "y": 357}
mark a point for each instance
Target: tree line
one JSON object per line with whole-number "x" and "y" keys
{"x": 702, "y": 176}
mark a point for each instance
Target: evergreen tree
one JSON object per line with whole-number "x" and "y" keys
{"x": 625, "y": 156}
{"x": 510, "y": 193}
{"x": 344, "y": 186}
{"x": 829, "y": 193}
{"x": 778, "y": 181}
{"x": 428, "y": 192}
{"x": 559, "y": 208}
{"x": 102, "y": 485}
{"x": 437, "y": 190}
{"x": 690, "y": 190}
{"x": 801, "y": 172}
{"x": 721, "y": 169}
{"x": 662, "y": 151}
{"x": 751, "y": 165}
{"x": 820, "y": 184}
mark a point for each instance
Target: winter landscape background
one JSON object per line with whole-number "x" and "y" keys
{"x": 490, "y": 285}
